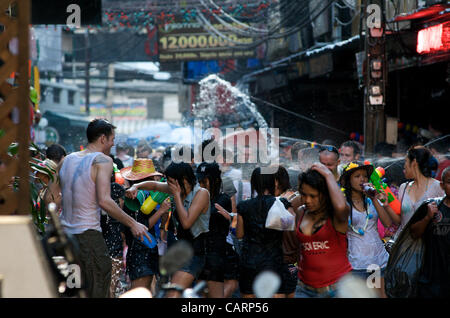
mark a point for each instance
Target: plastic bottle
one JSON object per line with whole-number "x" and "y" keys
{"x": 371, "y": 191}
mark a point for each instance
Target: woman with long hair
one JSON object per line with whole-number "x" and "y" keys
{"x": 321, "y": 230}
{"x": 209, "y": 177}
{"x": 420, "y": 167}
{"x": 365, "y": 248}
{"x": 262, "y": 248}
{"x": 290, "y": 240}
{"x": 192, "y": 216}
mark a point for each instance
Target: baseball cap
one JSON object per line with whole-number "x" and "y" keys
{"x": 208, "y": 169}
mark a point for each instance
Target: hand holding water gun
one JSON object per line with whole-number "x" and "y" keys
{"x": 153, "y": 200}
{"x": 378, "y": 183}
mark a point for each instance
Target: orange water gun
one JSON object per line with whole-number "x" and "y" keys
{"x": 118, "y": 176}
{"x": 375, "y": 179}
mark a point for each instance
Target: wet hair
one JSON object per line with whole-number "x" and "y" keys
{"x": 213, "y": 174}
{"x": 346, "y": 185}
{"x": 55, "y": 152}
{"x": 97, "y": 128}
{"x": 282, "y": 177}
{"x": 427, "y": 163}
{"x": 354, "y": 145}
{"x": 316, "y": 181}
{"x": 181, "y": 171}
{"x": 329, "y": 149}
{"x": 260, "y": 182}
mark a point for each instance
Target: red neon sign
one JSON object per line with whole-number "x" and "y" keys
{"x": 434, "y": 39}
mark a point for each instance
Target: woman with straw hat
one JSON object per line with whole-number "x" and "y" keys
{"x": 142, "y": 262}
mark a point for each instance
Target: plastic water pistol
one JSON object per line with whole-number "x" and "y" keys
{"x": 378, "y": 183}
{"x": 153, "y": 200}
{"x": 117, "y": 175}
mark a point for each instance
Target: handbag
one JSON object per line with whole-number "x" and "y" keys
{"x": 279, "y": 218}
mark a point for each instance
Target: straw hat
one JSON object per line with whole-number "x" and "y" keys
{"x": 141, "y": 169}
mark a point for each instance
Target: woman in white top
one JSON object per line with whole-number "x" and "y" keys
{"x": 366, "y": 251}
{"x": 419, "y": 166}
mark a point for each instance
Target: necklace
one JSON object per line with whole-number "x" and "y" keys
{"x": 360, "y": 231}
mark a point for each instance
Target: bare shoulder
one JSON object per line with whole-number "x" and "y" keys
{"x": 102, "y": 159}
{"x": 202, "y": 193}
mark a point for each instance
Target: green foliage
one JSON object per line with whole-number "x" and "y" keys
{"x": 38, "y": 208}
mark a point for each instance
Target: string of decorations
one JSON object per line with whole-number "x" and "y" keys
{"x": 126, "y": 19}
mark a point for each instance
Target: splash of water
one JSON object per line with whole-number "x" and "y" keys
{"x": 221, "y": 105}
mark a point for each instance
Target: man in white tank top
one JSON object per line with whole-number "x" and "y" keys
{"x": 85, "y": 180}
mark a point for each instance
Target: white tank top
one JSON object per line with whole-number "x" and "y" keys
{"x": 80, "y": 208}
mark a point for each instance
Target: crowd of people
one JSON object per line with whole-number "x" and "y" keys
{"x": 341, "y": 224}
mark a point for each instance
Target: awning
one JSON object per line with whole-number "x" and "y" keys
{"x": 424, "y": 13}
{"x": 59, "y": 120}
{"x": 329, "y": 47}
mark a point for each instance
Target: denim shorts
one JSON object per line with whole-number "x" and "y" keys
{"x": 231, "y": 263}
{"x": 195, "y": 266}
{"x": 289, "y": 279}
{"x": 302, "y": 292}
{"x": 141, "y": 261}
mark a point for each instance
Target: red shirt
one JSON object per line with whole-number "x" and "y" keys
{"x": 323, "y": 256}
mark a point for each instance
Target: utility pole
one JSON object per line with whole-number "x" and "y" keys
{"x": 376, "y": 75}
{"x": 87, "y": 55}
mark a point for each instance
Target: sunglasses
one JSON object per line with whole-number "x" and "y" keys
{"x": 329, "y": 148}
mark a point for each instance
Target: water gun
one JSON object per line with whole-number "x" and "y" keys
{"x": 153, "y": 200}
{"x": 149, "y": 244}
{"x": 118, "y": 176}
{"x": 375, "y": 179}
